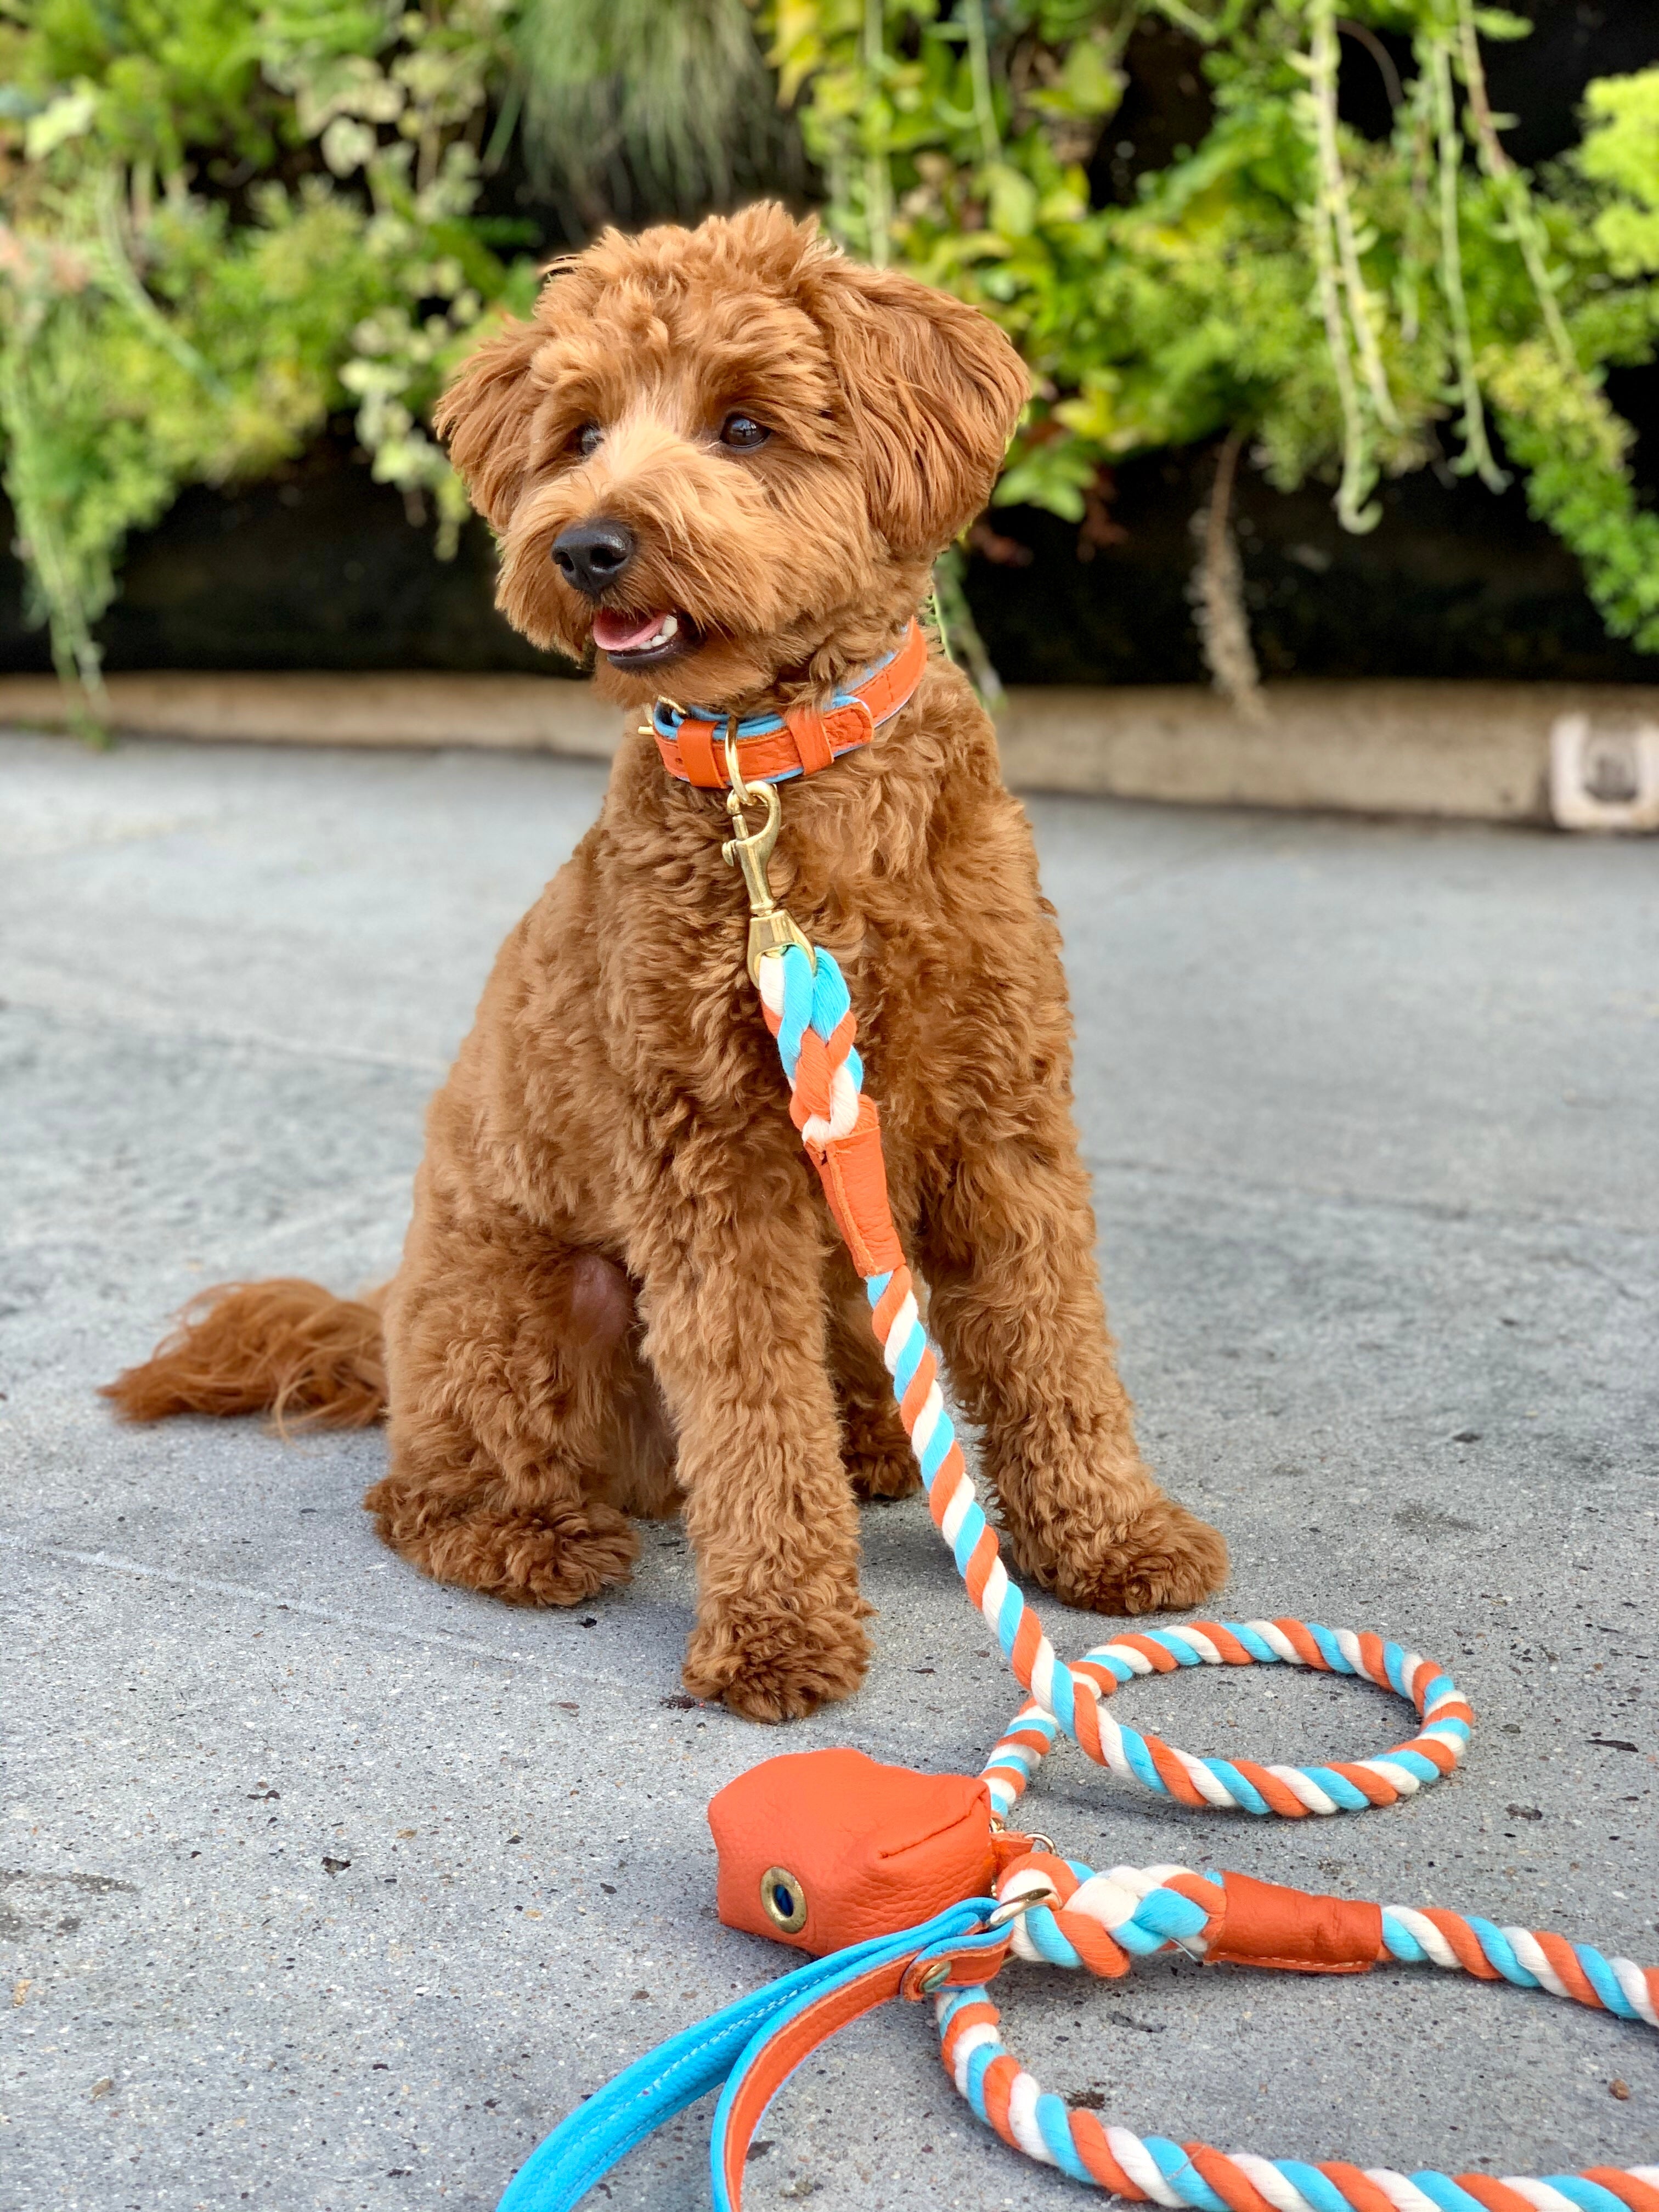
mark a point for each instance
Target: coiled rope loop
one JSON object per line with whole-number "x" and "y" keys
{"x": 1292, "y": 1792}
{"x": 1105, "y": 1922}
{"x": 809, "y": 1014}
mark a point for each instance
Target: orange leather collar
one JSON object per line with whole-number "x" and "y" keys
{"x": 772, "y": 749}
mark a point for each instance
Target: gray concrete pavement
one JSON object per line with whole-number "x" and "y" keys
{"x": 328, "y": 1888}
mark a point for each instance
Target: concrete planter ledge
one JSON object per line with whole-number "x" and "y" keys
{"x": 1581, "y": 755}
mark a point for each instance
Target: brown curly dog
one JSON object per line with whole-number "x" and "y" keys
{"x": 727, "y": 458}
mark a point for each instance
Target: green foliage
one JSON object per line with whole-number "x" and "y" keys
{"x": 1350, "y": 305}
{"x": 677, "y": 90}
{"x": 222, "y": 221}
{"x": 219, "y": 227}
{"x": 1621, "y": 151}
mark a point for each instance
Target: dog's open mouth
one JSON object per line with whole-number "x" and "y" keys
{"x": 633, "y": 641}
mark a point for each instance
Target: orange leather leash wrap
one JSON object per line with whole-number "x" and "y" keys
{"x": 870, "y": 1849}
{"x": 811, "y": 737}
{"x": 853, "y": 1174}
{"x": 1268, "y": 1925}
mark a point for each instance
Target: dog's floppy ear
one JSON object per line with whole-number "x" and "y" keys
{"x": 486, "y": 415}
{"x": 934, "y": 390}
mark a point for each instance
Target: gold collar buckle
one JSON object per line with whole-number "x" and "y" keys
{"x": 772, "y": 929}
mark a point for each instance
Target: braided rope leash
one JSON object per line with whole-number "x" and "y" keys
{"x": 1292, "y": 1792}
{"x": 804, "y": 998}
{"x": 1066, "y": 1913}
{"x": 1105, "y": 1922}
{"x": 1044, "y": 1907}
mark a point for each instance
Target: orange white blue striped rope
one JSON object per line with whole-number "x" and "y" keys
{"x": 1059, "y": 1911}
{"x": 1292, "y": 1792}
{"x": 1105, "y": 1922}
{"x": 1070, "y": 1916}
{"x": 809, "y": 1014}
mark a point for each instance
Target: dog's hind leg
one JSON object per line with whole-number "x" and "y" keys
{"x": 510, "y": 1365}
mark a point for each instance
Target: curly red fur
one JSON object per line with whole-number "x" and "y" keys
{"x": 620, "y": 1290}
{"x": 287, "y": 1348}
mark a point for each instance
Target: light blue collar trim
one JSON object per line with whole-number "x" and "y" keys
{"x": 667, "y": 718}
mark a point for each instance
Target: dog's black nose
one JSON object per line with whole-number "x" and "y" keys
{"x": 595, "y": 555}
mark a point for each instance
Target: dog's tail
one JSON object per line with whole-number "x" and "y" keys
{"x": 287, "y": 1348}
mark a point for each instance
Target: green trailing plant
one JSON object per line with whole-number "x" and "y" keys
{"x": 219, "y": 226}
{"x": 631, "y": 106}
{"x": 1351, "y": 308}
{"x": 222, "y": 223}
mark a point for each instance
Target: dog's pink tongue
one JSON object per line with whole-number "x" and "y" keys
{"x": 620, "y": 633}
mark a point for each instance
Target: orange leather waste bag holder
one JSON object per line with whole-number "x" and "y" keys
{"x": 823, "y": 1850}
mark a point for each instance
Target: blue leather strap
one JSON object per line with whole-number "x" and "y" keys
{"x": 666, "y": 717}
{"x": 589, "y": 2142}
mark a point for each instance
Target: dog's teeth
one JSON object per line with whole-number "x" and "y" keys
{"x": 666, "y": 629}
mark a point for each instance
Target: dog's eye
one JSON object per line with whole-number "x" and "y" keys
{"x": 589, "y": 439}
{"x": 744, "y": 432}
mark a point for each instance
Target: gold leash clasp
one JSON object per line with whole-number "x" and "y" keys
{"x": 771, "y": 928}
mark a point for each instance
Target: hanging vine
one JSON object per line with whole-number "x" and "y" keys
{"x": 1344, "y": 301}
{"x": 1349, "y": 301}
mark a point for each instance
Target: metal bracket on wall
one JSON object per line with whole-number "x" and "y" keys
{"x": 1604, "y": 773}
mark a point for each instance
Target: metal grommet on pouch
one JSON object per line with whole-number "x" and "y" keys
{"x": 783, "y": 1901}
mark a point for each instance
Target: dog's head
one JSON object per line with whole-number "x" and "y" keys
{"x": 721, "y": 453}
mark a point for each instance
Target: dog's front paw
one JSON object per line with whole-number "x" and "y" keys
{"x": 1165, "y": 1560}
{"x": 777, "y": 1666}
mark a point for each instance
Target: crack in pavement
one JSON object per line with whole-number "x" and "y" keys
{"x": 439, "y": 1640}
